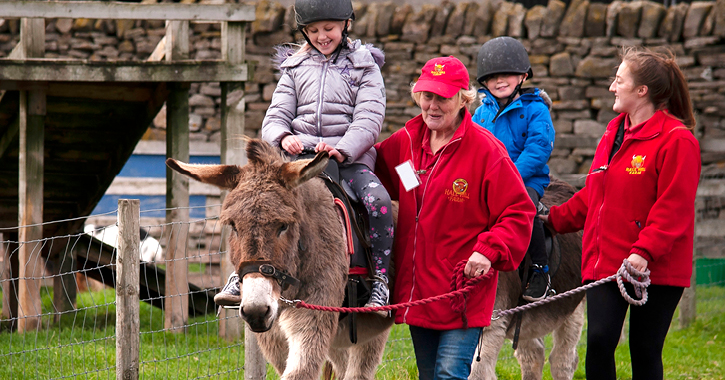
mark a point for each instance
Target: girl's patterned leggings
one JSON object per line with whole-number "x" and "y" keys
{"x": 376, "y": 199}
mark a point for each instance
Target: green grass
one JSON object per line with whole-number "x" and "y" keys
{"x": 82, "y": 345}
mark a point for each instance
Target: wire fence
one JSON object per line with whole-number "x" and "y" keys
{"x": 77, "y": 312}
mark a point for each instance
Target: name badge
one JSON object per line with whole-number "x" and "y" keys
{"x": 408, "y": 176}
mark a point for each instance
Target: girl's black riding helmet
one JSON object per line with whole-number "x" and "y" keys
{"x": 309, "y": 11}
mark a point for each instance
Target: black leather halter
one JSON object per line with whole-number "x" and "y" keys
{"x": 266, "y": 269}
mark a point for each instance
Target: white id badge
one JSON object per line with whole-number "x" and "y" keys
{"x": 408, "y": 176}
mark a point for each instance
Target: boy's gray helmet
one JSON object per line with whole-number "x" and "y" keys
{"x": 502, "y": 55}
{"x": 309, "y": 11}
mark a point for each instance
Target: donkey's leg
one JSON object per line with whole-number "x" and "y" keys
{"x": 309, "y": 337}
{"x": 531, "y": 357}
{"x": 273, "y": 345}
{"x": 363, "y": 359}
{"x": 338, "y": 358}
{"x": 492, "y": 340}
{"x": 564, "y": 357}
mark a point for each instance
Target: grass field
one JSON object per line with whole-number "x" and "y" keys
{"x": 82, "y": 345}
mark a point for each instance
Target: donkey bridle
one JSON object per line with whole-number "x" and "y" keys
{"x": 266, "y": 269}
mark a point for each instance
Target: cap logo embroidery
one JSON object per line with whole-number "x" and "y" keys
{"x": 637, "y": 165}
{"x": 438, "y": 70}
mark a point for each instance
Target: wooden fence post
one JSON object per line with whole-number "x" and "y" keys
{"x": 127, "y": 290}
{"x": 232, "y": 153}
{"x": 176, "y": 303}
{"x": 31, "y": 117}
{"x": 688, "y": 303}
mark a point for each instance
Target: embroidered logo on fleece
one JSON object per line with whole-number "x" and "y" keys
{"x": 438, "y": 70}
{"x": 458, "y": 192}
{"x": 637, "y": 165}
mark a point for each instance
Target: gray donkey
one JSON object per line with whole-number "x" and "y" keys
{"x": 563, "y": 318}
{"x": 287, "y": 240}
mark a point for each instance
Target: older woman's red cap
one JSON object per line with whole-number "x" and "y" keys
{"x": 443, "y": 76}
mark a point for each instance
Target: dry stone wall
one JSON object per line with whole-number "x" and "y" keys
{"x": 573, "y": 50}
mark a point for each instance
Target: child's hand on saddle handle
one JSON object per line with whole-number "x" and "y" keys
{"x": 477, "y": 265}
{"x": 292, "y": 144}
{"x": 322, "y": 146}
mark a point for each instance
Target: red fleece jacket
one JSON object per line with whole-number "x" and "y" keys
{"x": 473, "y": 200}
{"x": 642, "y": 202}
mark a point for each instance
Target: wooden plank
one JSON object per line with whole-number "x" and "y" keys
{"x": 31, "y": 116}
{"x": 30, "y": 214}
{"x": 177, "y": 186}
{"x": 94, "y": 109}
{"x": 177, "y": 201}
{"x": 49, "y": 70}
{"x": 232, "y": 153}
{"x": 124, "y": 92}
{"x": 196, "y": 148}
{"x": 127, "y": 11}
{"x": 159, "y": 51}
{"x": 177, "y": 41}
{"x": 688, "y": 302}
{"x": 155, "y": 186}
{"x": 127, "y": 290}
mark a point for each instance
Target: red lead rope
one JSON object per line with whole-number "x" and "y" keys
{"x": 460, "y": 287}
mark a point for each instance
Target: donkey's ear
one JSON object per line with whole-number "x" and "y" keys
{"x": 296, "y": 172}
{"x": 222, "y": 176}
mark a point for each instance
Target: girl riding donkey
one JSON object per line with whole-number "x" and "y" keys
{"x": 331, "y": 97}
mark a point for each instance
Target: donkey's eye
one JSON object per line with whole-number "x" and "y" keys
{"x": 233, "y": 226}
{"x": 282, "y": 228}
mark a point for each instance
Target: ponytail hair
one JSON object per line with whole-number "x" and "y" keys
{"x": 666, "y": 84}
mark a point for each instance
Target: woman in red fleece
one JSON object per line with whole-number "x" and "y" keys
{"x": 461, "y": 198}
{"x": 638, "y": 204}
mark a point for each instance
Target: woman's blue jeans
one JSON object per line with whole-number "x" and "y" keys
{"x": 444, "y": 354}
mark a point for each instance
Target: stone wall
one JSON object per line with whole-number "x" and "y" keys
{"x": 573, "y": 51}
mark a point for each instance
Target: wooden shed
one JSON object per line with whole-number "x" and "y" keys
{"x": 68, "y": 126}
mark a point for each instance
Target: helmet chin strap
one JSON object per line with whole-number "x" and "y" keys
{"x": 508, "y": 100}
{"x": 336, "y": 53}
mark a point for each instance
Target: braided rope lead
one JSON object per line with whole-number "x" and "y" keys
{"x": 461, "y": 287}
{"x": 626, "y": 271}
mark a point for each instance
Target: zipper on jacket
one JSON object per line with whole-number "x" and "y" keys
{"x": 417, "y": 217}
{"x": 604, "y": 168}
{"x": 320, "y": 96}
{"x": 415, "y": 204}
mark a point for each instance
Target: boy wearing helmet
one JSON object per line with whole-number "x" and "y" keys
{"x": 331, "y": 97}
{"x": 520, "y": 118}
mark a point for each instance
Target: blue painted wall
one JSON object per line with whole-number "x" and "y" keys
{"x": 147, "y": 165}
{"x": 153, "y": 166}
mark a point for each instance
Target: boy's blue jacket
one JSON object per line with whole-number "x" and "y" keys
{"x": 526, "y": 129}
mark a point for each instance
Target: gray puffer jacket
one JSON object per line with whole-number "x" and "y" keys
{"x": 342, "y": 103}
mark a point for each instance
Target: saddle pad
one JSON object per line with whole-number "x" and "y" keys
{"x": 345, "y": 219}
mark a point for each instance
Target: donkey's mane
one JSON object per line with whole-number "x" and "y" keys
{"x": 260, "y": 152}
